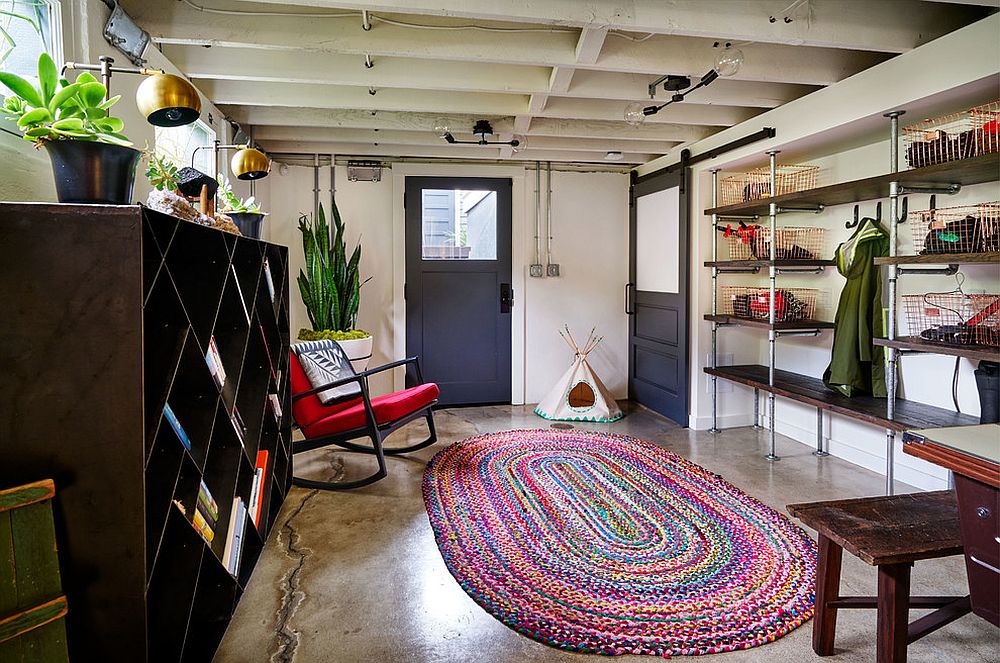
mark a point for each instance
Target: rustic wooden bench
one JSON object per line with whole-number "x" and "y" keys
{"x": 890, "y": 533}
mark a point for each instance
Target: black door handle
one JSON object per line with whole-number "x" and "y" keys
{"x": 628, "y": 300}
{"x": 506, "y": 297}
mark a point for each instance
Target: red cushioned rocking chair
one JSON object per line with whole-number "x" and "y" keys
{"x": 350, "y": 413}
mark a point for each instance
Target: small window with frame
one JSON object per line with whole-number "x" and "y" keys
{"x": 27, "y": 29}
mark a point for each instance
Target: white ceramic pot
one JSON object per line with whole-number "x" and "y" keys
{"x": 359, "y": 351}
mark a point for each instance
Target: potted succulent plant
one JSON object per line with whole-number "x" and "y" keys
{"x": 92, "y": 160}
{"x": 331, "y": 288}
{"x": 244, "y": 212}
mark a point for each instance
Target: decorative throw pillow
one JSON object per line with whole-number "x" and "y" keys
{"x": 324, "y": 362}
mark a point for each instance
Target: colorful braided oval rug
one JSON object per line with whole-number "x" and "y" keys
{"x": 607, "y": 544}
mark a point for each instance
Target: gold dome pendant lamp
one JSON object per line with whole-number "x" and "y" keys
{"x": 165, "y": 100}
{"x": 250, "y": 164}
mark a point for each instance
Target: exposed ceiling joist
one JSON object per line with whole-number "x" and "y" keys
{"x": 445, "y": 151}
{"x": 409, "y": 137}
{"x": 886, "y": 25}
{"x": 361, "y": 119}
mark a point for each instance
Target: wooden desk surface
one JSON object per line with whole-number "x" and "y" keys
{"x": 972, "y": 451}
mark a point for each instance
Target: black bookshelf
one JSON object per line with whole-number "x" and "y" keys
{"x": 108, "y": 314}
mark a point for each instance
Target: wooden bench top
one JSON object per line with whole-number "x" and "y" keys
{"x": 812, "y": 391}
{"x": 891, "y": 529}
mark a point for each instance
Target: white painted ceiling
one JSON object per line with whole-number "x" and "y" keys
{"x": 558, "y": 72}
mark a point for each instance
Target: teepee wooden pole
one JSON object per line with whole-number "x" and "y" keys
{"x": 590, "y": 337}
{"x": 573, "y": 343}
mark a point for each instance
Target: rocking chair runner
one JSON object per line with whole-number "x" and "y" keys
{"x": 356, "y": 415}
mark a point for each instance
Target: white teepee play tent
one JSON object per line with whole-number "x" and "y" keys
{"x": 579, "y": 395}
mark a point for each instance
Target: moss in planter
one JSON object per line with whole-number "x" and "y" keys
{"x": 328, "y": 334}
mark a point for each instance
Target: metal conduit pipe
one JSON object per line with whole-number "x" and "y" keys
{"x": 548, "y": 213}
{"x": 315, "y": 184}
{"x": 538, "y": 212}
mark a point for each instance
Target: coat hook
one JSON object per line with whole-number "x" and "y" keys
{"x": 878, "y": 212}
{"x": 902, "y": 219}
{"x": 855, "y": 222}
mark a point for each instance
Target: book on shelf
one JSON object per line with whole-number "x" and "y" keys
{"x": 275, "y": 404}
{"x": 207, "y": 503}
{"x": 237, "y": 421}
{"x": 176, "y": 425}
{"x": 198, "y": 522}
{"x": 214, "y": 361}
{"x": 239, "y": 291}
{"x": 255, "y": 495}
{"x": 268, "y": 280}
{"x": 202, "y": 526}
{"x": 234, "y": 537}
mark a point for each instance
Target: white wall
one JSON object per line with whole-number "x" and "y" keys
{"x": 27, "y": 174}
{"x": 590, "y": 229}
{"x": 833, "y": 128}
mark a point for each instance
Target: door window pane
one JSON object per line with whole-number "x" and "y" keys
{"x": 657, "y": 230}
{"x": 459, "y": 224}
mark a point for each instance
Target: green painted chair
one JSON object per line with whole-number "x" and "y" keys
{"x": 32, "y": 605}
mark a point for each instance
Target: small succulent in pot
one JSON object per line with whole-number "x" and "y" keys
{"x": 245, "y": 212}
{"x": 72, "y": 121}
{"x": 60, "y": 110}
{"x": 161, "y": 171}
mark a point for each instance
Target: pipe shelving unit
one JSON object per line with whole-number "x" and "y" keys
{"x": 900, "y": 415}
{"x": 775, "y": 330}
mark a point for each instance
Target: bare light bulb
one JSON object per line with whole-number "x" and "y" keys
{"x": 728, "y": 61}
{"x": 633, "y": 113}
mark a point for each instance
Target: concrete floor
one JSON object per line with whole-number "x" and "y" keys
{"x": 356, "y": 576}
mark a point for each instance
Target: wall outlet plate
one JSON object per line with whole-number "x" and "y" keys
{"x": 553, "y": 269}
{"x": 536, "y": 271}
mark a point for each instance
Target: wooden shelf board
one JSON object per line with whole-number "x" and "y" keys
{"x": 768, "y": 263}
{"x": 941, "y": 259}
{"x": 984, "y": 168}
{"x": 980, "y": 352}
{"x": 764, "y": 324}
{"x": 812, "y": 391}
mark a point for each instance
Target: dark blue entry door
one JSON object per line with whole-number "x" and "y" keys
{"x": 656, "y": 297}
{"x": 458, "y": 285}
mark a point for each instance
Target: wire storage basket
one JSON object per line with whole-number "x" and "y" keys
{"x": 962, "y": 229}
{"x": 756, "y": 184}
{"x": 954, "y": 318}
{"x": 753, "y": 242}
{"x": 790, "y": 304}
{"x": 950, "y": 137}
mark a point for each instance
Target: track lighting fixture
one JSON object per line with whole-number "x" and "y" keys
{"x": 727, "y": 63}
{"x": 482, "y": 129}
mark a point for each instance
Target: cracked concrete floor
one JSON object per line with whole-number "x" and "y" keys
{"x": 356, "y": 576}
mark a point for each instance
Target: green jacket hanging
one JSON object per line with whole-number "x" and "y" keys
{"x": 857, "y": 367}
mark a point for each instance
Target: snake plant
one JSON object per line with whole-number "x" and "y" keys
{"x": 330, "y": 285}
{"x": 60, "y": 110}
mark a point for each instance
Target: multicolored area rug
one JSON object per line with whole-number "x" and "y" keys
{"x": 607, "y": 544}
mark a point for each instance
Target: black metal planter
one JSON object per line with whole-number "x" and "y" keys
{"x": 248, "y": 222}
{"x": 92, "y": 172}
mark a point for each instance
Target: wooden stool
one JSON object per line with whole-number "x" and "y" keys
{"x": 890, "y": 533}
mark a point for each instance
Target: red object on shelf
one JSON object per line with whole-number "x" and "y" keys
{"x": 760, "y": 305}
{"x": 262, "y": 464}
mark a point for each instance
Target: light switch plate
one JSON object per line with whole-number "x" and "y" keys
{"x": 536, "y": 271}
{"x": 553, "y": 269}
